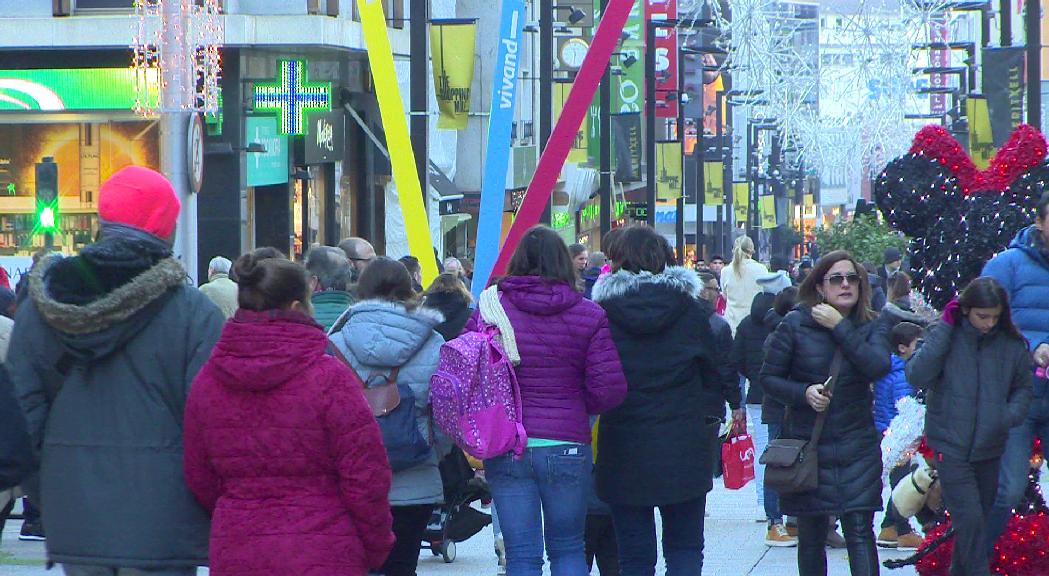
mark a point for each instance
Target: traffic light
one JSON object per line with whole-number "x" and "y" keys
{"x": 46, "y": 196}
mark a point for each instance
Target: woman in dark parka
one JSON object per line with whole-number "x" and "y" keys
{"x": 834, "y": 315}
{"x": 651, "y": 447}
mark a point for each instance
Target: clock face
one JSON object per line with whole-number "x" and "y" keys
{"x": 573, "y": 52}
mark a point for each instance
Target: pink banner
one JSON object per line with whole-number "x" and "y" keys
{"x": 537, "y": 197}
{"x": 666, "y": 57}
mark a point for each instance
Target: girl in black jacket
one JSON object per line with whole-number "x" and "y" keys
{"x": 976, "y": 370}
{"x": 834, "y": 315}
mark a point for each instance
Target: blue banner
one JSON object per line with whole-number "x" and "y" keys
{"x": 497, "y": 158}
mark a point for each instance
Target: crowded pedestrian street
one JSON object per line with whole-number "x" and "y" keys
{"x": 734, "y": 547}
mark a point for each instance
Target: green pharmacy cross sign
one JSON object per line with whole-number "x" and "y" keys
{"x": 292, "y": 96}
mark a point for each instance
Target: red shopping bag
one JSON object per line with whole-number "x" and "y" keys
{"x": 737, "y": 459}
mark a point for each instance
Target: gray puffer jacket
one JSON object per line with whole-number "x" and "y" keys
{"x": 379, "y": 336}
{"x": 978, "y": 386}
{"x": 103, "y": 386}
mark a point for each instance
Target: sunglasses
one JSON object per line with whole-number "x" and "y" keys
{"x": 839, "y": 279}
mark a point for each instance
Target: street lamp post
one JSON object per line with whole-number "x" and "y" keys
{"x": 546, "y": 82}
{"x": 420, "y": 96}
{"x": 605, "y": 129}
{"x": 650, "y": 112}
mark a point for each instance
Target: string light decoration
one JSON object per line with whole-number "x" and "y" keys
{"x": 903, "y": 436}
{"x": 958, "y": 216}
{"x": 177, "y": 39}
{"x": 292, "y": 96}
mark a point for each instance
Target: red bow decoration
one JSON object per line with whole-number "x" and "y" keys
{"x": 1025, "y": 149}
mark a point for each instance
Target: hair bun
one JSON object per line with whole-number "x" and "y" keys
{"x": 248, "y": 270}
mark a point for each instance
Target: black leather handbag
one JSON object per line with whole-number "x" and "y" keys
{"x": 792, "y": 466}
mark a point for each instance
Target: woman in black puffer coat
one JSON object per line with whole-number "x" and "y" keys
{"x": 834, "y": 314}
{"x": 449, "y": 296}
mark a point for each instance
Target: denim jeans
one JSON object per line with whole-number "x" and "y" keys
{"x": 1012, "y": 479}
{"x": 771, "y": 497}
{"x": 543, "y": 497}
{"x": 761, "y": 440}
{"x": 682, "y": 538}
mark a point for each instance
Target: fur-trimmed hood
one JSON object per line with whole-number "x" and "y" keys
{"x": 623, "y": 282}
{"x": 646, "y": 303}
{"x": 116, "y": 307}
{"x": 381, "y": 333}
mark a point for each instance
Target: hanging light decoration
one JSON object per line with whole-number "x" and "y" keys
{"x": 176, "y": 56}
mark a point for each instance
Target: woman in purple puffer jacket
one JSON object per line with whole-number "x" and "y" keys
{"x": 569, "y": 370}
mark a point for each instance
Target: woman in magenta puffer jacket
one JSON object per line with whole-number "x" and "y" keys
{"x": 569, "y": 370}
{"x": 280, "y": 445}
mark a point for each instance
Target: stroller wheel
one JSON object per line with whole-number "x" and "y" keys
{"x": 448, "y": 551}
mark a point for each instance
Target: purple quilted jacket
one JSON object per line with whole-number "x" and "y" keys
{"x": 569, "y": 367}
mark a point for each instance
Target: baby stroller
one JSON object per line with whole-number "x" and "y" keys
{"x": 455, "y": 520}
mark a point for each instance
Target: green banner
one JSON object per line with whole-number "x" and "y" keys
{"x": 271, "y": 166}
{"x": 62, "y": 89}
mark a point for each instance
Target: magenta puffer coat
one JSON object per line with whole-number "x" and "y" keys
{"x": 282, "y": 449}
{"x": 569, "y": 366}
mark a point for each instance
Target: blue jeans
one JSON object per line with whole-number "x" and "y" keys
{"x": 771, "y": 497}
{"x": 1012, "y": 479}
{"x": 682, "y": 538}
{"x": 543, "y": 496}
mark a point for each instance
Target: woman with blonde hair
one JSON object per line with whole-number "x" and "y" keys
{"x": 739, "y": 281}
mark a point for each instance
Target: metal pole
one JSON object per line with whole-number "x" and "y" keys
{"x": 1006, "y": 16}
{"x": 719, "y": 243}
{"x": 605, "y": 132}
{"x": 680, "y": 208}
{"x": 174, "y": 132}
{"x": 1034, "y": 62}
{"x": 420, "y": 96}
{"x": 701, "y": 181}
{"x": 546, "y": 81}
{"x": 650, "y": 120}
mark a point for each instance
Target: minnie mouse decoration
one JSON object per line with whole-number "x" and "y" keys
{"x": 958, "y": 216}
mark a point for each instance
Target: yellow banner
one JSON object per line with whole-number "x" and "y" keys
{"x": 981, "y": 140}
{"x": 579, "y": 152}
{"x": 452, "y": 48}
{"x": 767, "y": 206}
{"x": 741, "y": 200}
{"x": 668, "y": 170}
{"x": 395, "y": 124}
{"x": 808, "y": 201}
{"x": 714, "y": 183}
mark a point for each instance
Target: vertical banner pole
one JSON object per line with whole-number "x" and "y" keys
{"x": 391, "y": 108}
{"x": 556, "y": 152}
{"x": 497, "y": 156}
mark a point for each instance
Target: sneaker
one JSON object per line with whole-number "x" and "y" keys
{"x": 887, "y": 538}
{"x": 32, "y": 532}
{"x": 835, "y": 540}
{"x": 910, "y": 541}
{"x": 777, "y": 537}
{"x": 792, "y": 530}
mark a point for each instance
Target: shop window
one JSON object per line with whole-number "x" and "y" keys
{"x": 86, "y": 154}
{"x": 103, "y": 4}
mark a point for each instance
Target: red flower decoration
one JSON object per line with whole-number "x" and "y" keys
{"x": 1025, "y": 149}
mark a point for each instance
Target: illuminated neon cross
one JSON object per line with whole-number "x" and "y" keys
{"x": 292, "y": 96}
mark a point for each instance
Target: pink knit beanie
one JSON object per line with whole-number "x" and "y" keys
{"x": 141, "y": 198}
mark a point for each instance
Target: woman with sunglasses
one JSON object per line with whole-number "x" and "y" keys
{"x": 833, "y": 317}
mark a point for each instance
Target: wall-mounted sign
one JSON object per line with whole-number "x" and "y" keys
{"x": 195, "y": 153}
{"x": 324, "y": 137}
{"x": 60, "y": 89}
{"x": 292, "y": 96}
{"x": 271, "y": 166}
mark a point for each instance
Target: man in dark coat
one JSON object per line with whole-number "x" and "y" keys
{"x": 103, "y": 356}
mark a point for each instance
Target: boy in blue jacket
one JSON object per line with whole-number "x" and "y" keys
{"x": 896, "y": 531}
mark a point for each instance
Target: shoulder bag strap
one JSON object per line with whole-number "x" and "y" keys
{"x": 835, "y": 368}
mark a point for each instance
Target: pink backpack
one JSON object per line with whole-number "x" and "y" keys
{"x": 475, "y": 398}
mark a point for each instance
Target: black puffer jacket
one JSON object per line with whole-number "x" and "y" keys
{"x": 979, "y": 386}
{"x": 456, "y": 311}
{"x": 748, "y": 349}
{"x": 772, "y": 410}
{"x": 799, "y": 355}
{"x": 653, "y": 448}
